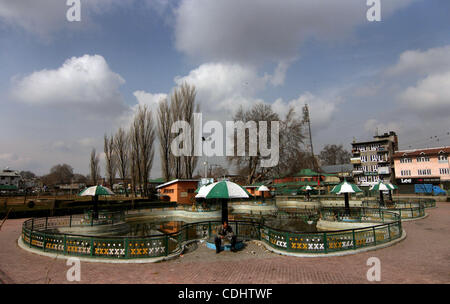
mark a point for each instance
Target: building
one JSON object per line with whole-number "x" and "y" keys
{"x": 181, "y": 191}
{"x": 342, "y": 171}
{"x": 9, "y": 179}
{"x": 291, "y": 184}
{"x": 372, "y": 160}
{"x": 253, "y": 190}
{"x": 422, "y": 166}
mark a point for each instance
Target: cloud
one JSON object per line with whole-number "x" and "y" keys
{"x": 426, "y": 78}
{"x": 87, "y": 142}
{"x": 45, "y": 18}
{"x": 321, "y": 110}
{"x": 40, "y": 17}
{"x": 265, "y": 30}
{"x": 418, "y": 62}
{"x": 372, "y": 125}
{"x": 85, "y": 84}
{"x": 223, "y": 87}
{"x": 430, "y": 95}
{"x": 15, "y": 161}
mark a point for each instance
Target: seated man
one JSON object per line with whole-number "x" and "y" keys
{"x": 225, "y": 231}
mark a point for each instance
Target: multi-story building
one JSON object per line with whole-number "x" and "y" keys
{"x": 422, "y": 166}
{"x": 372, "y": 160}
{"x": 9, "y": 178}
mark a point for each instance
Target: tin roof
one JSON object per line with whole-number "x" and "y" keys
{"x": 176, "y": 181}
{"x": 419, "y": 152}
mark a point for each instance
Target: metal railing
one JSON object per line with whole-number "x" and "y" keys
{"x": 37, "y": 233}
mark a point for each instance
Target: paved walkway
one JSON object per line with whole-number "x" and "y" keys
{"x": 423, "y": 257}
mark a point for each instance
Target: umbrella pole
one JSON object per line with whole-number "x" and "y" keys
{"x": 381, "y": 198}
{"x": 347, "y": 204}
{"x": 224, "y": 210}
{"x": 95, "y": 215}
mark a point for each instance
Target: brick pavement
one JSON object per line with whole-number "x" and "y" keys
{"x": 423, "y": 257}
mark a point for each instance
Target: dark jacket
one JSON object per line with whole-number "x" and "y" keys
{"x": 225, "y": 231}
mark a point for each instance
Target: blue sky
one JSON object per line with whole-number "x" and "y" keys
{"x": 65, "y": 84}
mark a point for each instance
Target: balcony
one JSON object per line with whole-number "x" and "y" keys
{"x": 383, "y": 161}
{"x": 355, "y": 160}
{"x": 357, "y": 172}
{"x": 356, "y": 152}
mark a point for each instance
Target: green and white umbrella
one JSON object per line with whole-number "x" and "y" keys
{"x": 345, "y": 187}
{"x": 96, "y": 190}
{"x": 381, "y": 187}
{"x": 306, "y": 188}
{"x": 263, "y": 188}
{"x": 223, "y": 190}
{"x": 394, "y": 187}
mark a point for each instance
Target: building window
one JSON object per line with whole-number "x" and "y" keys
{"x": 444, "y": 171}
{"x": 424, "y": 171}
{"x": 405, "y": 160}
{"x": 405, "y": 172}
{"x": 423, "y": 159}
{"x": 442, "y": 158}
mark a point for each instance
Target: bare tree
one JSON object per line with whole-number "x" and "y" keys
{"x": 188, "y": 94}
{"x": 164, "y": 136}
{"x": 176, "y": 114}
{"x": 59, "y": 174}
{"x": 146, "y": 139}
{"x": 95, "y": 167}
{"x": 121, "y": 152}
{"x": 250, "y": 165}
{"x": 292, "y": 157}
{"x": 217, "y": 171}
{"x": 182, "y": 107}
{"x": 135, "y": 156}
{"x": 142, "y": 134}
{"x": 108, "y": 148}
{"x": 334, "y": 155}
{"x": 133, "y": 171}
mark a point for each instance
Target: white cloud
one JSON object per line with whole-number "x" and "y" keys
{"x": 87, "y": 142}
{"x": 14, "y": 161}
{"x": 47, "y": 17}
{"x": 321, "y": 110}
{"x": 426, "y": 78}
{"x": 422, "y": 62}
{"x": 86, "y": 84}
{"x": 223, "y": 87}
{"x": 265, "y": 30}
{"x": 40, "y": 17}
{"x": 372, "y": 125}
{"x": 431, "y": 95}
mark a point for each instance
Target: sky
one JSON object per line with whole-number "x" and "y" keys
{"x": 63, "y": 85}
